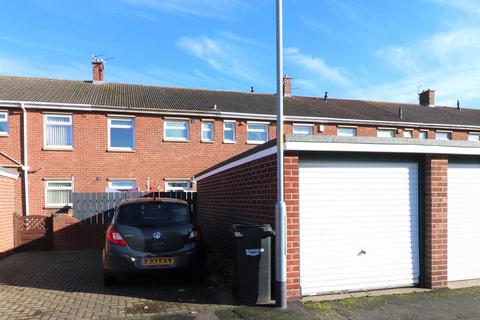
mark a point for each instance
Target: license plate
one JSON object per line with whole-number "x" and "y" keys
{"x": 165, "y": 261}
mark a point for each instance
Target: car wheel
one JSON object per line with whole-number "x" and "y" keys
{"x": 108, "y": 280}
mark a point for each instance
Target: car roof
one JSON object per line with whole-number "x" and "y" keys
{"x": 151, "y": 200}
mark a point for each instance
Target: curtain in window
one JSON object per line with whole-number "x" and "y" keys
{"x": 58, "y": 131}
{"x": 59, "y": 193}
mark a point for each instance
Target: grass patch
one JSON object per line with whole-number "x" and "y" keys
{"x": 257, "y": 313}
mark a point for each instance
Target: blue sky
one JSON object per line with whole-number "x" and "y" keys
{"x": 370, "y": 49}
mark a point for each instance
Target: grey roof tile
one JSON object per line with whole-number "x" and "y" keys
{"x": 143, "y": 97}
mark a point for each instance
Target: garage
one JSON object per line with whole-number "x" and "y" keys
{"x": 463, "y": 221}
{"x": 359, "y": 226}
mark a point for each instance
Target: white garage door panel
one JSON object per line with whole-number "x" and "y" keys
{"x": 347, "y": 207}
{"x": 463, "y": 221}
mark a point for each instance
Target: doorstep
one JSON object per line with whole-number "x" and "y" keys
{"x": 372, "y": 293}
{"x": 464, "y": 284}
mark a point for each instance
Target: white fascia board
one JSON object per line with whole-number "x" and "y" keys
{"x": 9, "y": 175}
{"x": 384, "y": 148}
{"x": 239, "y": 162}
{"x": 230, "y": 115}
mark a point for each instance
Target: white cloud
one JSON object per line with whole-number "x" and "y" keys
{"x": 315, "y": 71}
{"x": 229, "y": 56}
{"x": 201, "y": 8}
{"x": 466, "y": 6}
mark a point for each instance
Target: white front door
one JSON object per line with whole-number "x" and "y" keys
{"x": 463, "y": 221}
{"x": 358, "y": 225}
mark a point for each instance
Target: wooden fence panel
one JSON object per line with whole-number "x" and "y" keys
{"x": 98, "y": 207}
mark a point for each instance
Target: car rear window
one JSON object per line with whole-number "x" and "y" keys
{"x": 154, "y": 214}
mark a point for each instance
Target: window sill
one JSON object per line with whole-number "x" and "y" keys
{"x": 3, "y": 134}
{"x": 121, "y": 150}
{"x": 57, "y": 206}
{"x": 207, "y": 141}
{"x": 57, "y": 149}
{"x": 256, "y": 142}
{"x": 229, "y": 142}
{"x": 173, "y": 140}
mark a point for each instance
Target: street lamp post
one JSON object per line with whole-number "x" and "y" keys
{"x": 280, "y": 207}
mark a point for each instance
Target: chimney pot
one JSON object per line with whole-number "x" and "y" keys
{"x": 98, "y": 66}
{"x": 427, "y": 98}
{"x": 287, "y": 86}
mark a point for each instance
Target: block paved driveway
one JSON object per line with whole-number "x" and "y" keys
{"x": 68, "y": 285}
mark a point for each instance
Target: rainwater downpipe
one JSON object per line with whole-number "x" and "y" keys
{"x": 25, "y": 160}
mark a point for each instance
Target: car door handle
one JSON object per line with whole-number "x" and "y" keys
{"x": 362, "y": 252}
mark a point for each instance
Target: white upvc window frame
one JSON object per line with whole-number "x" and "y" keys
{"x": 122, "y": 188}
{"x": 448, "y": 133}
{"x": 422, "y": 131}
{"x": 389, "y": 130}
{"x": 47, "y": 188}
{"x": 409, "y": 131}
{"x": 262, "y": 123}
{"x": 5, "y": 120}
{"x": 187, "y": 129}
{"x": 46, "y": 123}
{"x": 234, "y": 130}
{"x": 474, "y": 134}
{"x": 174, "y": 189}
{"x": 110, "y": 126}
{"x": 203, "y": 130}
{"x": 354, "y": 130}
{"x": 311, "y": 126}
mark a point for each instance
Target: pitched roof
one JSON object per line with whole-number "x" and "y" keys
{"x": 142, "y": 97}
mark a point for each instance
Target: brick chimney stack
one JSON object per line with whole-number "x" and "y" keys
{"x": 287, "y": 86}
{"x": 427, "y": 98}
{"x": 98, "y": 66}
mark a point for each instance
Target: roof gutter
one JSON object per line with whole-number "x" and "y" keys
{"x": 231, "y": 115}
{"x": 25, "y": 160}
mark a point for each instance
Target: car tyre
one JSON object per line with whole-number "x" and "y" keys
{"x": 108, "y": 280}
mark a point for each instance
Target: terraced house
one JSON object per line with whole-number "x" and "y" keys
{"x": 387, "y": 193}
{"x": 64, "y": 136}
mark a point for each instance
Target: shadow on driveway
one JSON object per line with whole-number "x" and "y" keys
{"x": 75, "y": 277}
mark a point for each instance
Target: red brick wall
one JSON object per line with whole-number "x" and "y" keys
{"x": 70, "y": 234}
{"x": 247, "y": 194}
{"x": 293, "y": 226}
{"x": 153, "y": 157}
{"x": 244, "y": 194}
{"x": 7, "y": 209}
{"x": 436, "y": 221}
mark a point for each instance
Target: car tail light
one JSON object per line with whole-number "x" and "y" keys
{"x": 114, "y": 237}
{"x": 195, "y": 235}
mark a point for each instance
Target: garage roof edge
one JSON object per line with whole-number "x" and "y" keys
{"x": 8, "y": 173}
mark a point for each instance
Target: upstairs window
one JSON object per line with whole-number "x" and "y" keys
{"x": 3, "y": 122}
{"x": 475, "y": 137}
{"x": 443, "y": 135}
{"x": 305, "y": 129}
{"x": 346, "y": 132}
{"x": 178, "y": 185}
{"x": 423, "y": 135}
{"x": 121, "y": 134}
{"x": 386, "y": 133}
{"x": 121, "y": 185}
{"x": 58, "y": 193}
{"x": 408, "y": 134}
{"x": 207, "y": 131}
{"x": 58, "y": 131}
{"x": 176, "y": 130}
{"x": 229, "y": 131}
{"x": 257, "y": 133}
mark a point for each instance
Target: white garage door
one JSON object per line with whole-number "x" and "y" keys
{"x": 358, "y": 225}
{"x": 463, "y": 221}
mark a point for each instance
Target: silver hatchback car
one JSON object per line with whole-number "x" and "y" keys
{"x": 151, "y": 234}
